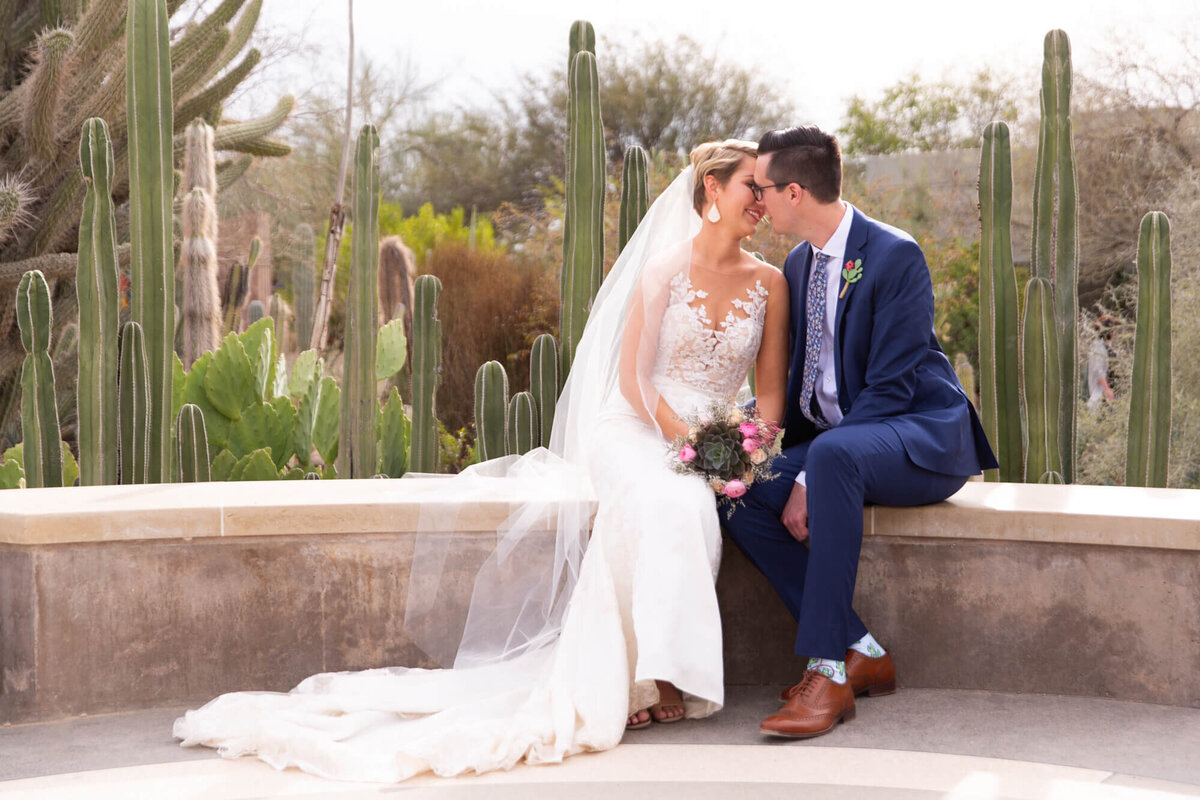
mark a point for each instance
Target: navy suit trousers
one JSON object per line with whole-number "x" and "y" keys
{"x": 847, "y": 467}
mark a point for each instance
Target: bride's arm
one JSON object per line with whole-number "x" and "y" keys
{"x": 770, "y": 368}
{"x": 639, "y": 346}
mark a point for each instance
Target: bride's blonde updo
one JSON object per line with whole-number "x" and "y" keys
{"x": 719, "y": 159}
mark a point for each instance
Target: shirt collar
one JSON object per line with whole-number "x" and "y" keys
{"x": 835, "y": 248}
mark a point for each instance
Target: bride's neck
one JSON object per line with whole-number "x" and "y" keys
{"x": 715, "y": 250}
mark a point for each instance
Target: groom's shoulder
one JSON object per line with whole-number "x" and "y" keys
{"x": 885, "y": 234}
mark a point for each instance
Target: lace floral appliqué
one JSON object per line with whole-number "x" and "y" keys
{"x": 715, "y": 359}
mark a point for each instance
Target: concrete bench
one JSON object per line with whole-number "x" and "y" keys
{"x": 115, "y": 598}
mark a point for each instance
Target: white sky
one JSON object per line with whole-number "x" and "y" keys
{"x": 476, "y": 47}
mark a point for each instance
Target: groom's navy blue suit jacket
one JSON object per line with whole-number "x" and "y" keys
{"x": 889, "y": 365}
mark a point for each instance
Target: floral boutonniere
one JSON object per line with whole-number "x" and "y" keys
{"x": 851, "y": 273}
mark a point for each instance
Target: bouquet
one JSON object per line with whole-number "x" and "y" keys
{"x": 729, "y": 448}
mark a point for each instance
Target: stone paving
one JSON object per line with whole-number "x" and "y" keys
{"x": 914, "y": 744}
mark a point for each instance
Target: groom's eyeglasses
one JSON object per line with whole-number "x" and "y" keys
{"x": 757, "y": 190}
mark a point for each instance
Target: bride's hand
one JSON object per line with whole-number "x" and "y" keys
{"x": 795, "y": 513}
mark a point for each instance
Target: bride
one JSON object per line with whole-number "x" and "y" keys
{"x": 570, "y": 641}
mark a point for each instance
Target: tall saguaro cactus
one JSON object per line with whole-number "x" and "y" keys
{"x": 998, "y": 335}
{"x": 1056, "y": 230}
{"x": 96, "y": 287}
{"x": 426, "y": 374}
{"x": 583, "y": 232}
{"x": 39, "y": 415}
{"x": 491, "y": 410}
{"x": 1043, "y": 463}
{"x": 360, "y": 406}
{"x": 150, "y": 113}
{"x": 635, "y": 194}
{"x": 1150, "y": 403}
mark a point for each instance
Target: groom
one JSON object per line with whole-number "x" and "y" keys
{"x": 875, "y": 414}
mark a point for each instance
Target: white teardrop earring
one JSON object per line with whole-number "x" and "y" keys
{"x": 714, "y": 214}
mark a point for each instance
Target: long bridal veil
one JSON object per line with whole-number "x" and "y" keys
{"x": 520, "y": 591}
{"x": 535, "y": 676}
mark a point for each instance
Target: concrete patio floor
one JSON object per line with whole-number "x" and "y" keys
{"x": 914, "y": 744}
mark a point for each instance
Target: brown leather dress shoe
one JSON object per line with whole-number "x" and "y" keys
{"x": 817, "y": 705}
{"x": 870, "y": 676}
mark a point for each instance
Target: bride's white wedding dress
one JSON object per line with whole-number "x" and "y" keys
{"x": 643, "y": 604}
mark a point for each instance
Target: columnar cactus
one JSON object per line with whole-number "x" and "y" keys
{"x": 254, "y": 312}
{"x": 1150, "y": 402}
{"x": 150, "y": 113}
{"x": 999, "y": 343}
{"x": 521, "y": 434}
{"x": 395, "y": 430}
{"x": 360, "y": 405}
{"x": 583, "y": 231}
{"x": 201, "y": 323}
{"x": 192, "y": 445}
{"x": 304, "y": 283}
{"x": 96, "y": 286}
{"x": 133, "y": 405}
{"x": 44, "y": 99}
{"x": 543, "y": 383}
{"x": 235, "y": 293}
{"x": 966, "y": 375}
{"x": 1041, "y": 385}
{"x": 426, "y": 372}
{"x": 491, "y": 410}
{"x": 635, "y": 194}
{"x": 1056, "y": 229}
{"x": 42, "y": 451}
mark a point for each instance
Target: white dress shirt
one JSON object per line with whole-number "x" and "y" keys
{"x": 825, "y": 385}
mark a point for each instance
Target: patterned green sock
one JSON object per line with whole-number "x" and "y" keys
{"x": 834, "y": 670}
{"x": 868, "y": 647}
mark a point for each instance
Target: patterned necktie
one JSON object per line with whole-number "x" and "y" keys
{"x": 816, "y": 329}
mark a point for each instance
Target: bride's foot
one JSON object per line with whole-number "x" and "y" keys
{"x": 637, "y": 720}
{"x": 669, "y": 707}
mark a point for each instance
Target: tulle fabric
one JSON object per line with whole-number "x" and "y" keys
{"x": 562, "y": 637}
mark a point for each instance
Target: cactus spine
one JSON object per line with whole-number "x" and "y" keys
{"x": 42, "y": 452}
{"x": 150, "y": 113}
{"x": 201, "y": 324}
{"x": 583, "y": 224}
{"x": 360, "y": 406}
{"x": 133, "y": 405}
{"x": 96, "y": 286}
{"x": 1150, "y": 402}
{"x": 1041, "y": 386}
{"x": 192, "y": 445}
{"x": 491, "y": 410}
{"x": 304, "y": 283}
{"x": 635, "y": 194}
{"x": 999, "y": 342}
{"x": 521, "y": 435}
{"x": 543, "y": 383}
{"x": 426, "y": 371}
{"x": 1055, "y": 229}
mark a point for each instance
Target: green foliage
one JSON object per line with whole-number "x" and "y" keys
{"x": 390, "y": 350}
{"x": 916, "y": 115}
{"x": 12, "y": 476}
{"x": 394, "y": 432}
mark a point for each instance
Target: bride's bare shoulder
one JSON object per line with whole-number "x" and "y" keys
{"x": 769, "y": 275}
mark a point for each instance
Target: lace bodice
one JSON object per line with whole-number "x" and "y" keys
{"x": 712, "y": 358}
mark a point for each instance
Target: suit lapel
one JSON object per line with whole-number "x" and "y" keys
{"x": 798, "y": 283}
{"x": 856, "y": 245}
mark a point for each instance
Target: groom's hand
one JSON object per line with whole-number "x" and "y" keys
{"x": 795, "y": 513}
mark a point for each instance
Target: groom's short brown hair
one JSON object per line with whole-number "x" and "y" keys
{"x": 806, "y": 155}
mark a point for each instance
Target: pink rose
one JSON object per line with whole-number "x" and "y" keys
{"x": 748, "y": 429}
{"x": 687, "y": 453}
{"x": 750, "y": 445}
{"x": 735, "y": 488}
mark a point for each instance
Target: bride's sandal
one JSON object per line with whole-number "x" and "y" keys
{"x": 636, "y": 721}
{"x": 669, "y": 707}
